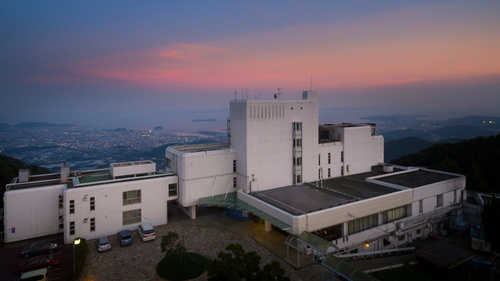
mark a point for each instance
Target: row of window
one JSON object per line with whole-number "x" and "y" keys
{"x": 129, "y": 197}
{"x": 72, "y": 205}
{"x": 266, "y": 112}
{"x": 72, "y": 226}
{"x": 367, "y": 222}
{"x": 330, "y": 158}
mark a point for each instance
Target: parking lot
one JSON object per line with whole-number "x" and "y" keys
{"x": 9, "y": 259}
{"x": 205, "y": 236}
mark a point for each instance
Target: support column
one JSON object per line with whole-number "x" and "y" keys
{"x": 190, "y": 211}
{"x": 267, "y": 226}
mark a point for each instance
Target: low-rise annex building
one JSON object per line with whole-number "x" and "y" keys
{"x": 87, "y": 204}
{"x": 278, "y": 164}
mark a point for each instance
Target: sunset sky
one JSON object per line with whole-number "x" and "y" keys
{"x": 146, "y": 63}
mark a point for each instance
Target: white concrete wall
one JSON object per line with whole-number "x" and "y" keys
{"x": 203, "y": 174}
{"x": 337, "y": 215}
{"x": 360, "y": 152}
{"x": 335, "y": 149}
{"x": 261, "y": 133}
{"x": 109, "y": 206}
{"x": 33, "y": 212}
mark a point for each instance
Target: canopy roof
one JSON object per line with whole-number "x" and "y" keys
{"x": 232, "y": 202}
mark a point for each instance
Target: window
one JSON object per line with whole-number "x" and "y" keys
{"x": 61, "y": 222}
{"x": 61, "y": 201}
{"x": 361, "y": 224}
{"x": 133, "y": 216}
{"x": 92, "y": 224}
{"x": 420, "y": 206}
{"x": 299, "y": 142}
{"x": 299, "y": 179}
{"x": 298, "y": 161}
{"x": 329, "y": 158}
{"x": 342, "y": 170}
{"x": 319, "y": 159}
{"x": 72, "y": 228}
{"x": 341, "y": 156}
{"x": 172, "y": 189}
{"x": 401, "y": 238}
{"x": 297, "y": 126}
{"x": 131, "y": 197}
{"x": 440, "y": 200}
{"x": 92, "y": 203}
{"x": 71, "y": 206}
{"x": 329, "y": 172}
{"x": 319, "y": 174}
{"x": 234, "y": 182}
{"x": 234, "y": 166}
{"x": 393, "y": 214}
{"x": 419, "y": 231}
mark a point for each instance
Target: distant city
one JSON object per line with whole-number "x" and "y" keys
{"x": 50, "y": 145}
{"x": 81, "y": 147}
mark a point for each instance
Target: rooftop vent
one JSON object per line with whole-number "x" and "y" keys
{"x": 24, "y": 175}
{"x": 388, "y": 168}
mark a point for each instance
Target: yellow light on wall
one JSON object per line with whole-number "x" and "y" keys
{"x": 367, "y": 245}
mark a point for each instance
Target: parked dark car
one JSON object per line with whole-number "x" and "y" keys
{"x": 124, "y": 237}
{"x": 45, "y": 261}
{"x": 39, "y": 248}
{"x": 103, "y": 244}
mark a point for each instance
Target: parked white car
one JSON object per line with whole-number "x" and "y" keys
{"x": 146, "y": 231}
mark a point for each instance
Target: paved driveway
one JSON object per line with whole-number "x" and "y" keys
{"x": 138, "y": 261}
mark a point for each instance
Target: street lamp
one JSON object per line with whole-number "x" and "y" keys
{"x": 75, "y": 242}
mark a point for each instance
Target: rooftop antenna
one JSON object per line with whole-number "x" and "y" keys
{"x": 279, "y": 93}
{"x": 311, "y": 87}
{"x": 235, "y": 92}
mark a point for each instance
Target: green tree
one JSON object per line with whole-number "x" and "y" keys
{"x": 491, "y": 222}
{"x": 239, "y": 265}
{"x": 170, "y": 246}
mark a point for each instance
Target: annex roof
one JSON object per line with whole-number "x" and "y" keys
{"x": 230, "y": 201}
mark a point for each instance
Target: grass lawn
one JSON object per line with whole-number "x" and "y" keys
{"x": 182, "y": 266}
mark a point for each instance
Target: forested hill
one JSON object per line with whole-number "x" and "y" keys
{"x": 9, "y": 169}
{"x": 478, "y": 159}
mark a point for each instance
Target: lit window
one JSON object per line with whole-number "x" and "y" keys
{"x": 393, "y": 214}
{"x": 361, "y": 224}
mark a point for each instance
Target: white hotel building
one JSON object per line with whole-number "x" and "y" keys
{"x": 279, "y": 164}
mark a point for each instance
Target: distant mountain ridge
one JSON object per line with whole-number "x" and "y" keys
{"x": 398, "y": 148}
{"x": 462, "y": 131}
{"x": 476, "y": 158}
{"x": 29, "y": 125}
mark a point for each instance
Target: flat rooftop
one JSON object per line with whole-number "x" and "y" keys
{"x": 298, "y": 200}
{"x": 201, "y": 147}
{"x": 417, "y": 178}
{"x": 308, "y": 198}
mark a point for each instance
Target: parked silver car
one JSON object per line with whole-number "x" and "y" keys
{"x": 103, "y": 244}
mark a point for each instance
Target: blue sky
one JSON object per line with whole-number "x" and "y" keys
{"x": 142, "y": 64}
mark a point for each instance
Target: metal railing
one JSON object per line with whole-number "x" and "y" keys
{"x": 375, "y": 253}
